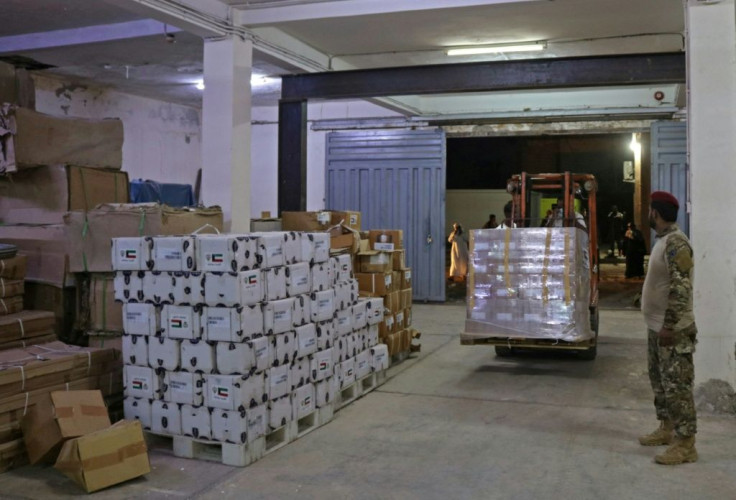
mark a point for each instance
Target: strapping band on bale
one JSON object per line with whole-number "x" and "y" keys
{"x": 2, "y": 281}
{"x": 566, "y": 277}
{"x": 84, "y": 189}
{"x": 142, "y": 223}
{"x": 104, "y": 304}
{"x": 5, "y": 307}
{"x": 545, "y": 268}
{"x": 115, "y": 457}
{"x": 22, "y": 330}
{"x": 25, "y": 406}
{"x": 507, "y": 244}
{"x": 85, "y": 231}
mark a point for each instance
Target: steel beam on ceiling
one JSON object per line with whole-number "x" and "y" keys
{"x": 522, "y": 74}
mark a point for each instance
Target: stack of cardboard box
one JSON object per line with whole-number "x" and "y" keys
{"x": 382, "y": 272}
{"x": 20, "y": 327}
{"x": 230, "y": 337}
{"x": 48, "y": 166}
{"x": 29, "y": 374}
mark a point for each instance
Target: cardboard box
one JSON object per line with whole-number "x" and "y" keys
{"x": 399, "y": 260}
{"x": 386, "y": 239}
{"x": 234, "y": 289}
{"x": 89, "y": 233}
{"x": 363, "y": 364}
{"x": 347, "y": 218}
{"x": 235, "y": 392}
{"x": 406, "y": 298}
{"x": 141, "y": 319}
{"x": 105, "y": 315}
{"x": 343, "y": 322}
{"x": 135, "y": 350}
{"x": 164, "y": 353}
{"x": 226, "y": 252}
{"x": 235, "y": 357}
{"x": 315, "y": 247}
{"x": 284, "y": 348}
{"x": 279, "y": 412}
{"x": 298, "y": 279}
{"x": 371, "y": 336}
{"x": 265, "y": 225}
{"x": 46, "y": 250}
{"x": 131, "y": 254}
{"x": 278, "y": 381}
{"x": 181, "y": 322}
{"x": 306, "y": 340}
{"x": 277, "y": 316}
{"x": 257, "y": 422}
{"x": 300, "y": 372}
{"x": 347, "y": 373}
{"x": 375, "y": 284}
{"x": 128, "y": 286}
{"x": 270, "y": 249}
{"x": 303, "y": 401}
{"x": 306, "y": 221}
{"x": 405, "y": 339}
{"x": 407, "y": 317}
{"x": 393, "y": 301}
{"x": 399, "y": 319}
{"x": 321, "y": 364}
{"x": 230, "y": 426}
{"x": 375, "y": 261}
{"x": 262, "y": 353}
{"x": 381, "y": 359}
{"x": 393, "y": 341}
{"x": 41, "y": 139}
{"x": 63, "y": 415}
{"x": 43, "y": 195}
{"x": 360, "y": 316}
{"x": 173, "y": 253}
{"x": 17, "y": 86}
{"x": 141, "y": 382}
{"x": 325, "y": 392}
{"x": 323, "y": 305}
{"x": 405, "y": 278}
{"x": 374, "y": 310}
{"x": 183, "y": 388}
{"x": 165, "y": 418}
{"x": 292, "y": 247}
{"x": 344, "y": 238}
{"x": 26, "y": 325}
{"x": 138, "y": 409}
{"x": 386, "y": 327}
{"x": 198, "y": 356}
{"x": 196, "y": 422}
{"x": 14, "y": 268}
{"x": 302, "y": 311}
{"x": 106, "y": 457}
{"x": 274, "y": 283}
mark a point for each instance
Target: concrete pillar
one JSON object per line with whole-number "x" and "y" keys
{"x": 711, "y": 47}
{"x": 226, "y": 110}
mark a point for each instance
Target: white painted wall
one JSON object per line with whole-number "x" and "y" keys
{"x": 471, "y": 207}
{"x": 711, "y": 133}
{"x": 264, "y": 150}
{"x": 162, "y": 140}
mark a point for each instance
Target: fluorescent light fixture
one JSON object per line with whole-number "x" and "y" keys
{"x": 258, "y": 80}
{"x": 498, "y": 48}
{"x": 635, "y": 145}
{"x": 199, "y": 84}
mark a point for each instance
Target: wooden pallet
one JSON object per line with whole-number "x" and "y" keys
{"x": 359, "y": 388}
{"x": 305, "y": 425}
{"x": 236, "y": 455}
{"x": 278, "y": 438}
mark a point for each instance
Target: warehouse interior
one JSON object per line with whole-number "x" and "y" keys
{"x": 261, "y": 107}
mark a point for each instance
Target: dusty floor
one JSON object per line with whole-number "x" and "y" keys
{"x": 457, "y": 422}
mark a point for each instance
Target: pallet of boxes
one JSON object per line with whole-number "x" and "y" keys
{"x": 382, "y": 272}
{"x": 235, "y": 345}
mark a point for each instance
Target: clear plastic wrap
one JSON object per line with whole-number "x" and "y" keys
{"x": 529, "y": 283}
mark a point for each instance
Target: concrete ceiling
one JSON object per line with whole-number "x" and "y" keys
{"x": 79, "y": 37}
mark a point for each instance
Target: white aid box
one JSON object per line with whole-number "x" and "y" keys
{"x": 279, "y": 412}
{"x": 158, "y": 287}
{"x": 235, "y": 357}
{"x": 341, "y": 347}
{"x": 141, "y": 319}
{"x": 343, "y": 322}
{"x": 173, "y": 253}
{"x": 321, "y": 247}
{"x": 374, "y": 310}
{"x": 257, "y": 418}
{"x": 131, "y": 254}
{"x": 307, "y": 243}
{"x": 277, "y": 316}
{"x": 347, "y": 372}
{"x": 343, "y": 267}
{"x": 343, "y": 295}
{"x": 363, "y": 364}
{"x": 270, "y": 251}
{"x": 298, "y": 279}
{"x": 381, "y": 359}
{"x": 164, "y": 353}
{"x": 371, "y": 336}
{"x": 284, "y": 347}
{"x": 128, "y": 286}
{"x": 232, "y": 289}
{"x": 184, "y": 388}
{"x": 306, "y": 340}
{"x": 198, "y": 356}
{"x": 196, "y": 422}
{"x": 235, "y": 392}
{"x": 135, "y": 350}
{"x": 188, "y": 288}
{"x": 138, "y": 409}
{"x": 360, "y": 318}
{"x": 165, "y": 418}
{"x": 181, "y": 322}
{"x": 302, "y": 312}
{"x": 324, "y": 392}
{"x": 292, "y": 248}
{"x": 323, "y": 305}
{"x": 354, "y": 346}
{"x": 300, "y": 372}
{"x": 221, "y": 324}
{"x": 325, "y": 342}
{"x": 361, "y": 337}
{"x": 141, "y": 382}
{"x": 226, "y": 253}
{"x": 251, "y": 321}
{"x": 278, "y": 380}
{"x": 230, "y": 426}
{"x": 274, "y": 282}
{"x": 320, "y": 277}
{"x": 327, "y": 329}
{"x": 303, "y": 401}
{"x": 262, "y": 353}
{"x": 321, "y": 365}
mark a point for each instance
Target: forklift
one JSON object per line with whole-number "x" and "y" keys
{"x": 531, "y": 195}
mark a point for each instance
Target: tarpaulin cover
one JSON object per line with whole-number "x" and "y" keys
{"x": 173, "y": 195}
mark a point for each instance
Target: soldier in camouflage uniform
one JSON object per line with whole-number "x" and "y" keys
{"x": 667, "y": 305}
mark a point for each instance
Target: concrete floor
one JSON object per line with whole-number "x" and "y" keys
{"x": 457, "y": 422}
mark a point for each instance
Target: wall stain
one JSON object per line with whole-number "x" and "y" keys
{"x": 65, "y": 108}
{"x": 66, "y": 90}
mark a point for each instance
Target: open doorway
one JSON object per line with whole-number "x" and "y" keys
{"x": 479, "y": 168}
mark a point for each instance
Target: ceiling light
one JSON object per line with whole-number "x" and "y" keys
{"x": 257, "y": 80}
{"x": 199, "y": 84}
{"x": 497, "y": 48}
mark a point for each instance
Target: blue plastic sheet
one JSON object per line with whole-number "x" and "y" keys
{"x": 174, "y": 195}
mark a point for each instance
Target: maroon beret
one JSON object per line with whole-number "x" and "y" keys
{"x": 665, "y": 197}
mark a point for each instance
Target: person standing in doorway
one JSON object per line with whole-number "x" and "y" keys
{"x": 635, "y": 249}
{"x": 615, "y": 231}
{"x": 667, "y": 305}
{"x": 459, "y": 253}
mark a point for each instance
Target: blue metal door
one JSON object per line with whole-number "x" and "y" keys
{"x": 670, "y": 171}
{"x": 396, "y": 179}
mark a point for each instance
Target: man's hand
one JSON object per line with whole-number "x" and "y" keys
{"x": 666, "y": 337}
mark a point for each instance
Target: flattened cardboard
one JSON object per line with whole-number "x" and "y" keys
{"x": 106, "y": 457}
{"x": 14, "y": 268}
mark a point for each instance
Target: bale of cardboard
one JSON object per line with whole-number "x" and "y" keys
{"x": 60, "y": 416}
{"x": 107, "y": 457}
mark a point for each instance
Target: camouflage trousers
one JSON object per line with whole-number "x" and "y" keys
{"x": 671, "y": 374}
